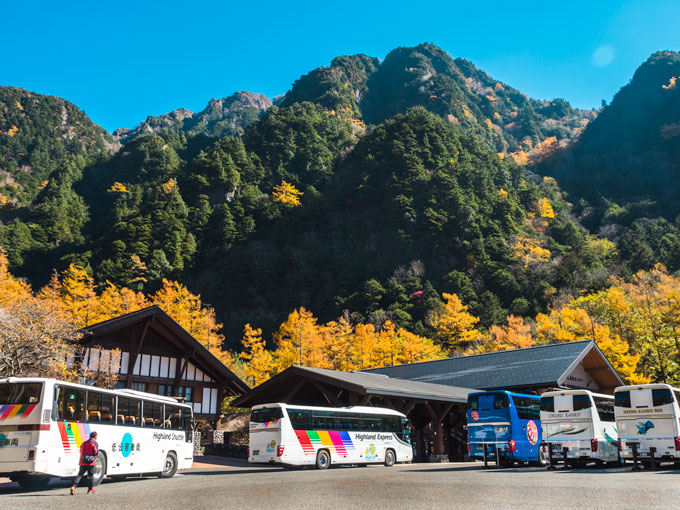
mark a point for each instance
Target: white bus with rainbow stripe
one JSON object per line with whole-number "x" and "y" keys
{"x": 305, "y": 435}
{"x": 44, "y": 421}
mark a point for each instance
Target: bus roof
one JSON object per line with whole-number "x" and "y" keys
{"x": 123, "y": 392}
{"x": 351, "y": 409}
{"x": 511, "y": 393}
{"x": 554, "y": 393}
{"x": 645, "y": 386}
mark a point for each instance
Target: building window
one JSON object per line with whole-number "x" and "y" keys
{"x": 167, "y": 390}
{"x": 139, "y": 386}
{"x": 186, "y": 392}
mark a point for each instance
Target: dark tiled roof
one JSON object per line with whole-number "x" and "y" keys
{"x": 520, "y": 368}
{"x": 275, "y": 389}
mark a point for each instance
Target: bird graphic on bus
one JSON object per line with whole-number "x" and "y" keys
{"x": 643, "y": 428}
{"x": 370, "y": 453}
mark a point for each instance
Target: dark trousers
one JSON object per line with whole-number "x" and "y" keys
{"x": 90, "y": 475}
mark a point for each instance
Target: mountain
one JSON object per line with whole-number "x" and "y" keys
{"x": 339, "y": 87}
{"x": 38, "y": 134}
{"x": 405, "y": 192}
{"x": 630, "y": 153}
{"x": 456, "y": 90}
{"x": 623, "y": 173}
{"x": 221, "y": 117}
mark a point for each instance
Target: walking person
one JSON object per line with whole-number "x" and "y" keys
{"x": 88, "y": 455}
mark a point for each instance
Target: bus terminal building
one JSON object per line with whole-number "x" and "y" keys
{"x": 433, "y": 394}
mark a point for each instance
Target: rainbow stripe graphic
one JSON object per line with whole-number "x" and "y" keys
{"x": 73, "y": 433}
{"x": 336, "y": 441}
{"x": 16, "y": 410}
{"x": 271, "y": 423}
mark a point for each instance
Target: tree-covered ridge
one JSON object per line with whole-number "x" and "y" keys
{"x": 427, "y": 76}
{"x": 37, "y": 135}
{"x": 339, "y": 87}
{"x": 221, "y": 117}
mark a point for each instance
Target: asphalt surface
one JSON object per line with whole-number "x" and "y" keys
{"x": 219, "y": 484}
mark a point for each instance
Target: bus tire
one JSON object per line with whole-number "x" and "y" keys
{"x": 390, "y": 458}
{"x": 323, "y": 459}
{"x": 33, "y": 482}
{"x": 170, "y": 466}
{"x": 99, "y": 468}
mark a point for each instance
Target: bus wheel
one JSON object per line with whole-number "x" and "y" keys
{"x": 323, "y": 459}
{"x": 99, "y": 469}
{"x": 390, "y": 458}
{"x": 33, "y": 482}
{"x": 170, "y": 467}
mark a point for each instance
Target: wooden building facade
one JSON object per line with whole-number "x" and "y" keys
{"x": 158, "y": 356}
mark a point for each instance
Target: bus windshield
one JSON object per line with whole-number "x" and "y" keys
{"x": 20, "y": 393}
{"x": 265, "y": 415}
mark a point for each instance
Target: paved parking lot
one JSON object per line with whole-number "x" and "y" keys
{"x": 217, "y": 483}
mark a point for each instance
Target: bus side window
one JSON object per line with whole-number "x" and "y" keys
{"x": 392, "y": 424}
{"x": 605, "y": 409}
{"x": 622, "y": 398}
{"x": 548, "y": 404}
{"x": 500, "y": 401}
{"x": 94, "y": 407}
{"x": 153, "y": 412}
{"x": 70, "y": 404}
{"x": 128, "y": 412}
{"x": 173, "y": 417}
{"x": 108, "y": 408}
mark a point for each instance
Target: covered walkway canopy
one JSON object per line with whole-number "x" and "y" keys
{"x": 437, "y": 407}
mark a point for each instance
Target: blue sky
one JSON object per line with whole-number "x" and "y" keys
{"x": 123, "y": 61}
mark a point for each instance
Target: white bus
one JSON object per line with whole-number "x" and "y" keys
{"x": 582, "y": 422}
{"x": 647, "y": 416}
{"x": 303, "y": 435}
{"x": 43, "y": 422}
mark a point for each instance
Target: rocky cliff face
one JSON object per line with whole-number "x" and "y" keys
{"x": 221, "y": 117}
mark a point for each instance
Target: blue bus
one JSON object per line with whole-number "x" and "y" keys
{"x": 507, "y": 422}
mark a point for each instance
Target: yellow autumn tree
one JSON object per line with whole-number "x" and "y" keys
{"x": 12, "y": 290}
{"x": 571, "y": 324}
{"x": 528, "y": 251}
{"x": 79, "y": 297}
{"x": 186, "y": 308}
{"x": 118, "y": 187}
{"x": 407, "y": 347}
{"x": 545, "y": 209}
{"x": 286, "y": 193}
{"x": 298, "y": 342}
{"x": 169, "y": 186}
{"x": 259, "y": 364}
{"x": 515, "y": 335}
{"x": 338, "y": 337}
{"x": 114, "y": 302}
{"x": 362, "y": 352}
{"x": 453, "y": 325}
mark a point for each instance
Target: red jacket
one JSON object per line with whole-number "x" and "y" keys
{"x": 89, "y": 447}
